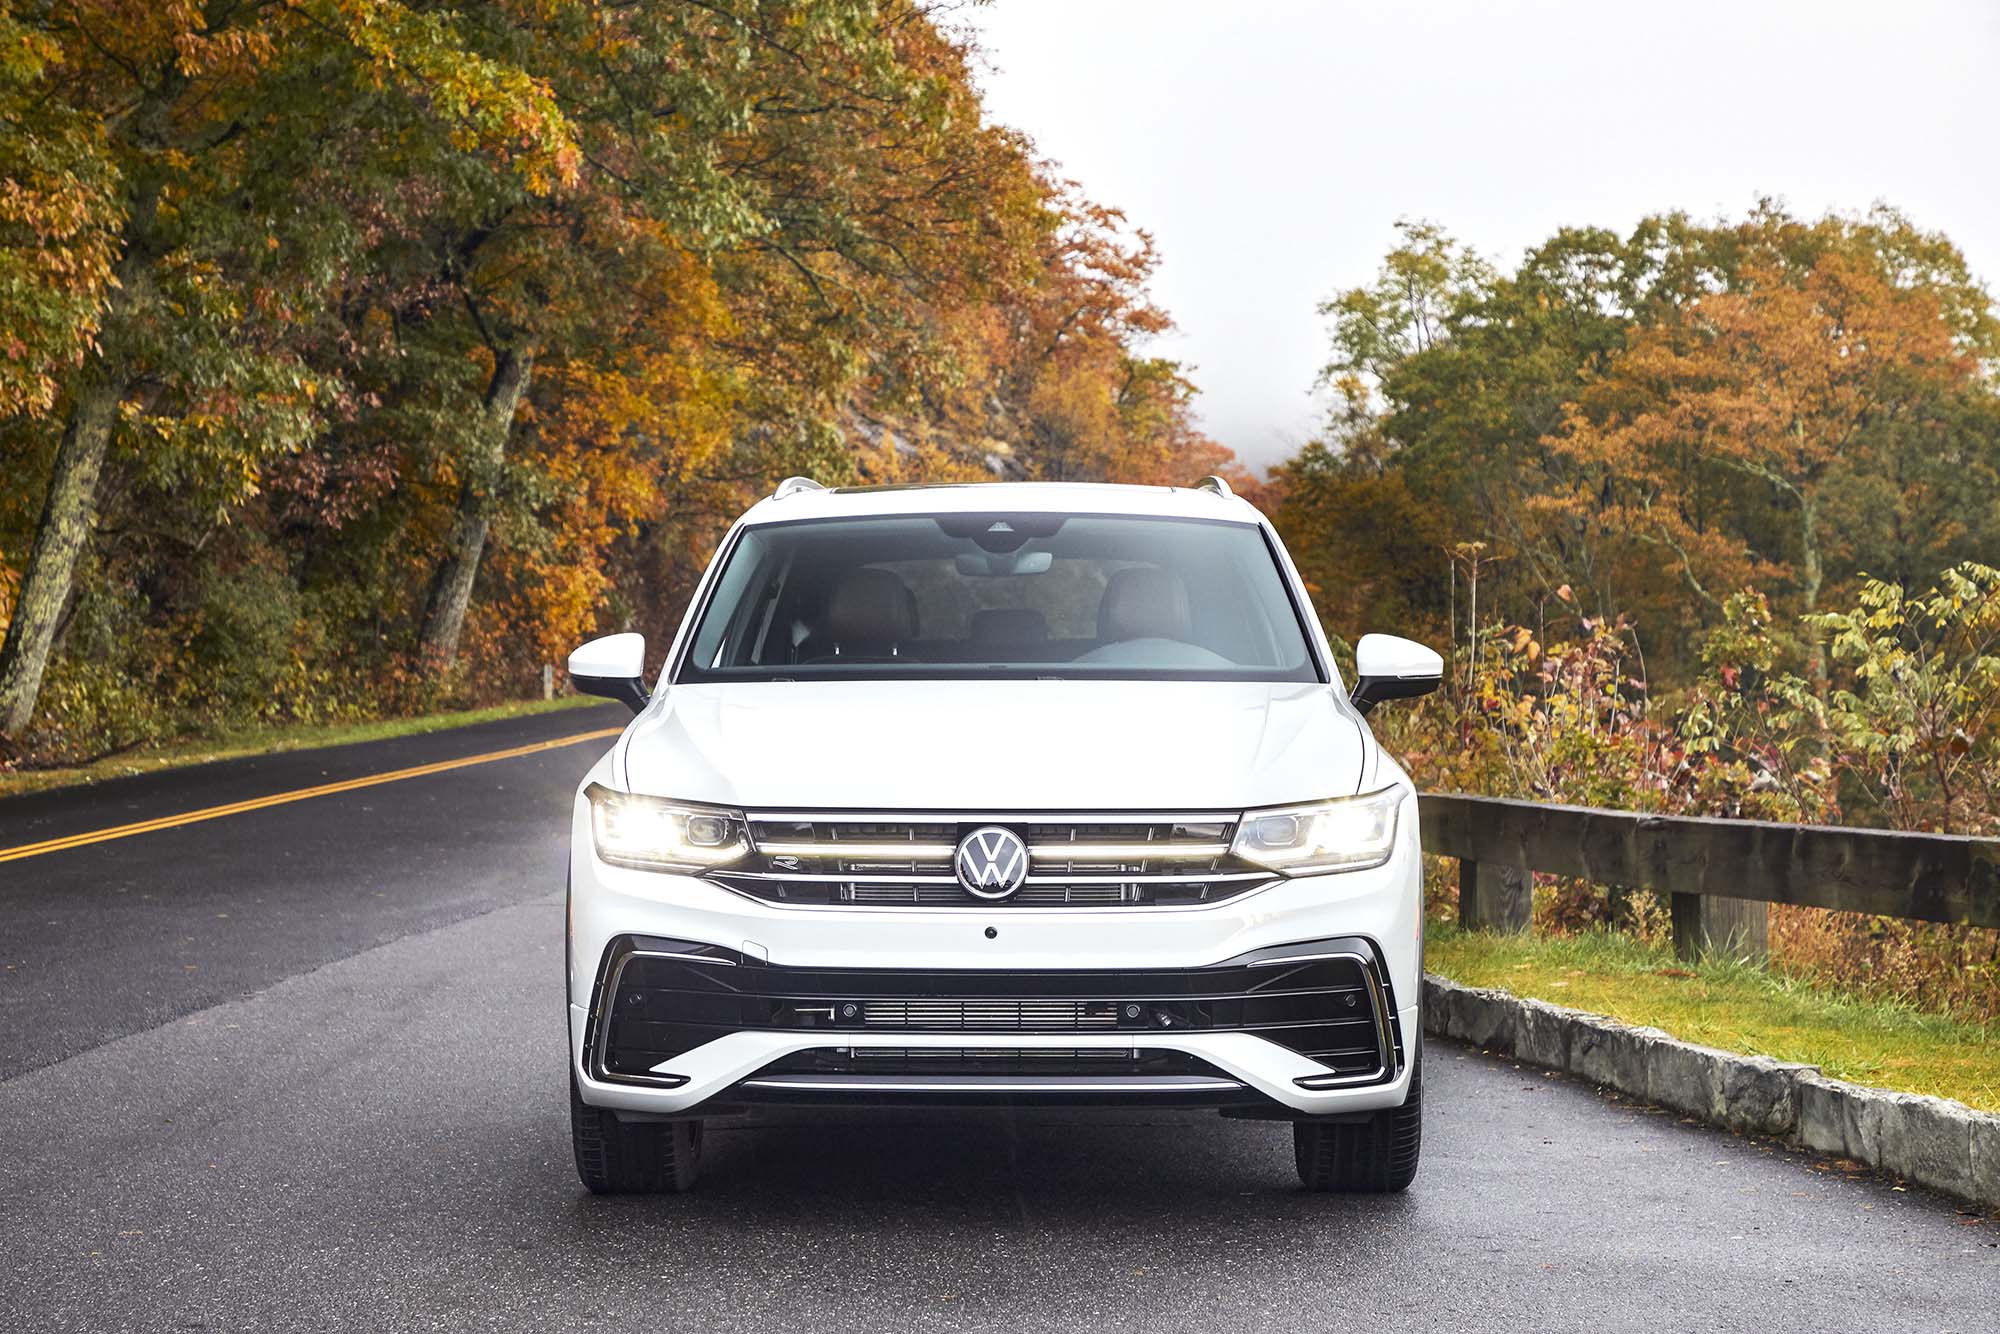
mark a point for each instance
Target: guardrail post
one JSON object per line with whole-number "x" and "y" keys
{"x": 1707, "y": 924}
{"x": 1492, "y": 897}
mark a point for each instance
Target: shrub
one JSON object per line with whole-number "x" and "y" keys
{"x": 242, "y": 646}
{"x": 1905, "y": 735}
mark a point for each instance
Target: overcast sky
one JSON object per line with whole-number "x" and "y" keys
{"x": 1271, "y": 145}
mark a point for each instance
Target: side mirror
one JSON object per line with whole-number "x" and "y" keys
{"x": 1390, "y": 667}
{"x": 614, "y": 667}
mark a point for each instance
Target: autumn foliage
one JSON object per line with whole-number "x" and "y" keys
{"x": 357, "y": 355}
{"x": 1705, "y": 515}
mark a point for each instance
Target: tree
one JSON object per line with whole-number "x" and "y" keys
{"x": 204, "y": 113}
{"x": 1534, "y": 409}
{"x": 1417, "y": 300}
{"x": 59, "y": 217}
{"x": 454, "y": 330}
{"x": 1781, "y": 382}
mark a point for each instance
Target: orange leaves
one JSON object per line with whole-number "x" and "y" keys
{"x": 59, "y": 219}
{"x": 232, "y": 52}
{"x": 742, "y": 238}
{"x": 1738, "y": 405}
{"x": 1779, "y": 375}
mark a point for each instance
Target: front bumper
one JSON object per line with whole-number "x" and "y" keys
{"x": 1011, "y": 1005}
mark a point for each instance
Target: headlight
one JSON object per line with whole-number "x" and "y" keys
{"x": 1348, "y": 834}
{"x": 656, "y": 835}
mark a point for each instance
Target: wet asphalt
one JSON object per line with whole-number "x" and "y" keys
{"x": 302, "y": 1068}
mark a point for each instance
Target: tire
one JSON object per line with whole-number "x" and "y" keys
{"x": 615, "y": 1157}
{"x": 1373, "y": 1157}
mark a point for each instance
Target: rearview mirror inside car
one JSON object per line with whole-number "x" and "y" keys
{"x": 1004, "y": 563}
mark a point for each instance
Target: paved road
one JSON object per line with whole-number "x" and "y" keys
{"x": 301, "y": 1068}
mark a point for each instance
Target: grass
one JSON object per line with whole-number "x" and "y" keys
{"x": 1733, "y": 1006}
{"x": 267, "y": 740}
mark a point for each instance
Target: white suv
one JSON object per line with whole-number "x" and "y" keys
{"x": 1011, "y": 793}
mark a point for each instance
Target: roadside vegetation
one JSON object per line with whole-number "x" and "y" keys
{"x": 1905, "y": 736}
{"x": 1737, "y": 1007}
{"x": 269, "y": 739}
{"x": 1706, "y": 515}
{"x": 359, "y": 357}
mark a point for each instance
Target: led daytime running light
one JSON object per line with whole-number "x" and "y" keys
{"x": 656, "y": 835}
{"x": 1346, "y": 834}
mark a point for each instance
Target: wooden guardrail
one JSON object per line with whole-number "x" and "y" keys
{"x": 1720, "y": 875}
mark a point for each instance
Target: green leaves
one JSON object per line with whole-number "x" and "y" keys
{"x": 489, "y": 105}
{"x": 1658, "y": 419}
{"x": 1920, "y": 721}
{"x": 287, "y": 248}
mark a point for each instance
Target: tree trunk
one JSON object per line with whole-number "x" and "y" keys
{"x": 69, "y": 513}
{"x": 1811, "y": 577}
{"x": 451, "y": 591}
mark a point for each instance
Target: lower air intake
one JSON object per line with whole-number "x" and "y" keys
{"x": 1326, "y": 1000}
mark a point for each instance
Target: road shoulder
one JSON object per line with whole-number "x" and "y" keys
{"x": 1934, "y": 1142}
{"x": 256, "y": 742}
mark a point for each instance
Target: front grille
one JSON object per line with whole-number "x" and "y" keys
{"x": 951, "y": 896}
{"x": 990, "y": 1016}
{"x": 1327, "y": 1000}
{"x": 1082, "y": 861}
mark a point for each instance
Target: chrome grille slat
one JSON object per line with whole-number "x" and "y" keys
{"x": 890, "y": 859}
{"x": 950, "y": 895}
{"x": 943, "y": 878}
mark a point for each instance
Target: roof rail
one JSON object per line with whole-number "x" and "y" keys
{"x": 791, "y": 486}
{"x": 1215, "y": 484}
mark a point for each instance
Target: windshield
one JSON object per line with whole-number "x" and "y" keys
{"x": 1002, "y": 594}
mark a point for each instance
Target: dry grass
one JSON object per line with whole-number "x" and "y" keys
{"x": 1735, "y": 1007}
{"x": 1942, "y": 969}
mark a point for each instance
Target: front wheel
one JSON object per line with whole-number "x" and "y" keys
{"x": 615, "y": 1157}
{"x": 1376, "y": 1157}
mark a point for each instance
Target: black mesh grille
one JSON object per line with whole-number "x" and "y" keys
{"x": 996, "y": 1061}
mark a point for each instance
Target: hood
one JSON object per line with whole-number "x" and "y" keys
{"x": 996, "y": 745}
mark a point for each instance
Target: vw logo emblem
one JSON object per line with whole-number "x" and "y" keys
{"x": 992, "y": 862}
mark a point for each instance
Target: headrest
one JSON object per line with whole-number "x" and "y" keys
{"x": 870, "y": 612}
{"x": 1143, "y": 602}
{"x": 1009, "y": 625}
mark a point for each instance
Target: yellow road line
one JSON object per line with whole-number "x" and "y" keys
{"x": 297, "y": 794}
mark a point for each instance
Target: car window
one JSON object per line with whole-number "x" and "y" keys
{"x": 1000, "y": 594}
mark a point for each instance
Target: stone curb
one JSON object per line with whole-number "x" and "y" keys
{"x": 1934, "y": 1142}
